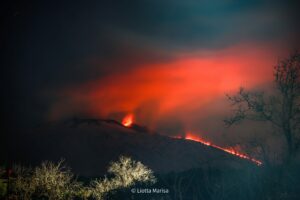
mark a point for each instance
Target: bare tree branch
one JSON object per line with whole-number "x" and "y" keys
{"x": 281, "y": 110}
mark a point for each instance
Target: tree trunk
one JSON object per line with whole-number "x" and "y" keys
{"x": 290, "y": 145}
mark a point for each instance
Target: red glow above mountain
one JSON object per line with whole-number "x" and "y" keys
{"x": 181, "y": 85}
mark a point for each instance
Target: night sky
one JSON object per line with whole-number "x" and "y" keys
{"x": 170, "y": 63}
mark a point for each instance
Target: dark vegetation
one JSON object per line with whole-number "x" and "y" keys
{"x": 55, "y": 181}
{"x": 211, "y": 183}
{"x": 281, "y": 109}
{"x": 281, "y": 112}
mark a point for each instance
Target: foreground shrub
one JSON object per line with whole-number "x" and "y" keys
{"x": 49, "y": 180}
{"x": 126, "y": 172}
{"x": 22, "y": 185}
{"x": 3, "y": 184}
{"x": 54, "y": 181}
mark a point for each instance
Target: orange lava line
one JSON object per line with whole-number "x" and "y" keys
{"x": 227, "y": 150}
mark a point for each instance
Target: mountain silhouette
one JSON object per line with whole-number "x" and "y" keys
{"x": 89, "y": 145}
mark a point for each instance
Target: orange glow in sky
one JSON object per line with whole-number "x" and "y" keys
{"x": 180, "y": 85}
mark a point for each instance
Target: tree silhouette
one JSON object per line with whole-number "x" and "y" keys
{"x": 280, "y": 109}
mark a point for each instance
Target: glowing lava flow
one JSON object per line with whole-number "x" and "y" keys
{"x": 128, "y": 120}
{"x": 192, "y": 137}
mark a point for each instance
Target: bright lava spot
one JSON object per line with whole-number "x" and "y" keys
{"x": 190, "y": 136}
{"x": 128, "y": 120}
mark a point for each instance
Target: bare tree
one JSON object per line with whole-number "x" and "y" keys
{"x": 281, "y": 109}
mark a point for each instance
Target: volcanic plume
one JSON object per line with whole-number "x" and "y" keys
{"x": 128, "y": 120}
